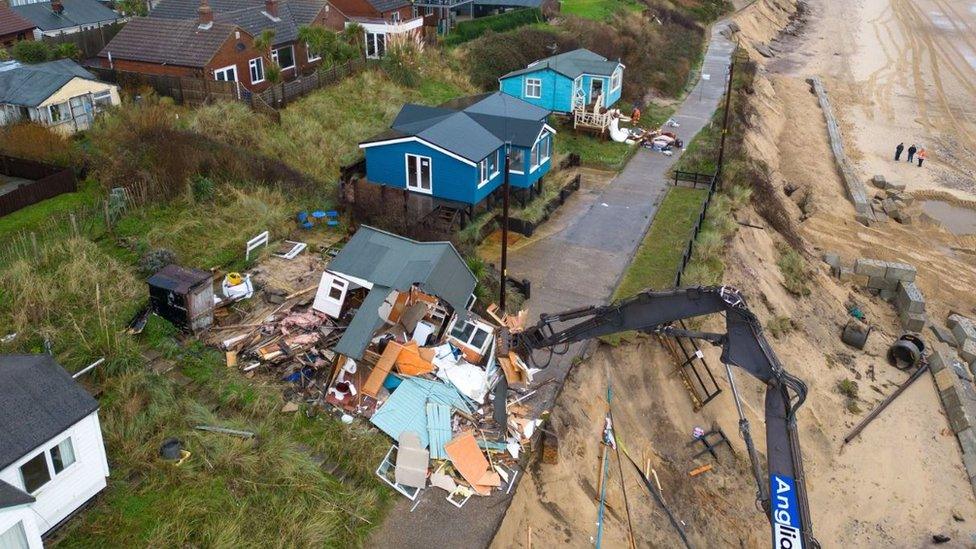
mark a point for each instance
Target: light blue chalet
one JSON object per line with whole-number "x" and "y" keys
{"x": 455, "y": 152}
{"x": 562, "y": 82}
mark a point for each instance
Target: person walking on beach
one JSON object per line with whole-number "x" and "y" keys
{"x": 922, "y": 155}
{"x": 898, "y": 150}
{"x": 911, "y": 152}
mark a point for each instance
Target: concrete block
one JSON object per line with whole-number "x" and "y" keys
{"x": 864, "y": 219}
{"x": 942, "y": 357}
{"x": 906, "y": 199}
{"x": 943, "y": 334}
{"x": 969, "y": 462}
{"x": 913, "y": 322}
{"x": 945, "y": 379}
{"x": 832, "y": 259}
{"x": 888, "y": 295}
{"x": 882, "y": 283}
{"x": 901, "y": 271}
{"x": 880, "y": 216}
{"x": 903, "y": 217}
{"x": 967, "y": 351}
{"x": 963, "y": 330}
{"x": 910, "y": 298}
{"x": 890, "y": 207}
{"x": 900, "y": 187}
{"x": 956, "y": 318}
{"x": 967, "y": 440}
{"x": 871, "y": 267}
{"x": 878, "y": 181}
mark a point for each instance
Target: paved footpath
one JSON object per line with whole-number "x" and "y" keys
{"x": 576, "y": 266}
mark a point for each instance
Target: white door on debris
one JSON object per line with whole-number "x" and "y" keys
{"x": 331, "y": 294}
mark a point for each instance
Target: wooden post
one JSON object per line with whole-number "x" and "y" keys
{"x": 74, "y": 223}
{"x": 37, "y": 252}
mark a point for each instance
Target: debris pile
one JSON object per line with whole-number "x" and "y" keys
{"x": 892, "y": 202}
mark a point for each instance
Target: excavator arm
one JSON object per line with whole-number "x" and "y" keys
{"x": 782, "y": 492}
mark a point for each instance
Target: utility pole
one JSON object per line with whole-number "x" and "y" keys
{"x": 725, "y": 122}
{"x": 504, "y": 277}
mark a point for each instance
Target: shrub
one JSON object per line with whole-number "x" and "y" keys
{"x": 403, "y": 59}
{"x": 30, "y": 51}
{"x": 794, "y": 269}
{"x": 780, "y": 326}
{"x": 154, "y": 260}
{"x": 495, "y": 54}
{"x": 202, "y": 188}
{"x": 469, "y": 30}
{"x": 66, "y": 50}
{"x": 36, "y": 142}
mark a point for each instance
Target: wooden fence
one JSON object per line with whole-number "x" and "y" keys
{"x": 45, "y": 181}
{"x": 695, "y": 179}
{"x": 89, "y": 42}
{"x": 183, "y": 90}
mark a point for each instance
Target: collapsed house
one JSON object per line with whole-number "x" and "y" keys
{"x": 390, "y": 335}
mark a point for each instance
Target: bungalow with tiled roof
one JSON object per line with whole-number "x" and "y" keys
{"x": 57, "y": 17}
{"x": 13, "y": 27}
{"x": 201, "y": 48}
{"x": 380, "y": 20}
{"x": 283, "y": 17}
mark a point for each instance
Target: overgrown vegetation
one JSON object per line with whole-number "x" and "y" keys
{"x": 780, "y": 326}
{"x": 848, "y": 388}
{"x": 796, "y": 274}
{"x": 38, "y": 51}
{"x": 471, "y": 29}
{"x": 600, "y": 10}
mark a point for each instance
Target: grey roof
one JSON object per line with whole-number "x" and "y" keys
{"x": 11, "y": 496}
{"x": 389, "y": 262}
{"x": 572, "y": 64}
{"x": 471, "y": 127}
{"x": 168, "y": 42}
{"x": 248, "y": 14}
{"x": 510, "y": 3}
{"x": 383, "y": 6}
{"x": 38, "y": 401}
{"x": 30, "y": 85}
{"x": 76, "y": 12}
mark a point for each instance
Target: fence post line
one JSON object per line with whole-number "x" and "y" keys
{"x": 74, "y": 223}
{"x": 37, "y": 253}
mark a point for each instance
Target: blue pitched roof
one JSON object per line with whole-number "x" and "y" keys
{"x": 75, "y": 13}
{"x": 29, "y": 85}
{"x": 571, "y": 64}
{"x": 407, "y": 410}
{"x": 471, "y": 127}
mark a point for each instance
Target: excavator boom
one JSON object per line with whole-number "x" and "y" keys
{"x": 783, "y": 492}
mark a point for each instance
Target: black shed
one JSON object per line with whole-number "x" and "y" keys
{"x": 183, "y": 296}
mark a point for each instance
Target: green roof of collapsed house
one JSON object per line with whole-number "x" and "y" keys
{"x": 572, "y": 64}
{"x": 389, "y": 262}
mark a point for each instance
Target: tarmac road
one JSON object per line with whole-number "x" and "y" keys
{"x": 576, "y": 266}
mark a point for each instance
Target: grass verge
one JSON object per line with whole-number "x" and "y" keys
{"x": 600, "y": 10}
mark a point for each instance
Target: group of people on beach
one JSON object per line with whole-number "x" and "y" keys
{"x": 913, "y": 153}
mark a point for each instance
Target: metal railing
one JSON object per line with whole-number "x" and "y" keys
{"x": 695, "y": 179}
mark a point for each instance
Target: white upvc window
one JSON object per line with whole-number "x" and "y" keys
{"x": 40, "y": 469}
{"x": 473, "y": 335}
{"x": 616, "y": 79}
{"x": 516, "y": 161}
{"x": 14, "y": 537}
{"x": 494, "y": 164}
{"x": 312, "y": 57}
{"x": 375, "y": 44}
{"x": 533, "y": 88}
{"x": 395, "y": 17}
{"x": 483, "y": 172}
{"x": 256, "y": 67}
{"x": 546, "y": 144}
{"x": 102, "y": 99}
{"x": 284, "y": 57}
{"x": 226, "y": 74}
{"x": 419, "y": 173}
{"x": 535, "y": 157}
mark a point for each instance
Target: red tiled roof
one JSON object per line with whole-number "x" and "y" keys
{"x": 11, "y": 23}
{"x": 168, "y": 41}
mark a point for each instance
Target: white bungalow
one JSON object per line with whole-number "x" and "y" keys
{"x": 52, "y": 458}
{"x": 58, "y": 94}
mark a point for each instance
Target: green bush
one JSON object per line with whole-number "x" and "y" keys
{"x": 794, "y": 269}
{"x": 469, "y": 30}
{"x": 30, "y": 52}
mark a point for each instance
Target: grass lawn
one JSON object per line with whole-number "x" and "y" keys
{"x": 657, "y": 258}
{"x": 599, "y": 10}
{"x": 36, "y": 216}
{"x": 595, "y": 151}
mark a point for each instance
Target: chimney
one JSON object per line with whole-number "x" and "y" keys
{"x": 205, "y": 15}
{"x": 271, "y": 7}
{"x": 57, "y": 7}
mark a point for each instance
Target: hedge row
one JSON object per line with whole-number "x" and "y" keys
{"x": 469, "y": 30}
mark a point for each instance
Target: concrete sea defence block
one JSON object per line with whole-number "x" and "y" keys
{"x": 909, "y": 298}
{"x": 900, "y": 271}
{"x": 871, "y": 267}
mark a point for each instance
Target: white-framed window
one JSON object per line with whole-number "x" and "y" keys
{"x": 40, "y": 469}
{"x": 419, "y": 173}
{"x": 483, "y": 172}
{"x": 615, "y": 80}
{"x": 472, "y": 334}
{"x": 428, "y": 10}
{"x": 546, "y": 146}
{"x": 15, "y": 537}
{"x": 395, "y": 17}
{"x": 312, "y": 57}
{"x": 516, "y": 161}
{"x": 59, "y": 112}
{"x": 375, "y": 45}
{"x": 533, "y": 88}
{"x": 226, "y": 74}
{"x": 494, "y": 163}
{"x": 535, "y": 156}
{"x": 284, "y": 57}
{"x": 256, "y": 67}
{"x": 102, "y": 99}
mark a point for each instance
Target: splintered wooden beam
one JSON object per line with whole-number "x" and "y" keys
{"x": 700, "y": 470}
